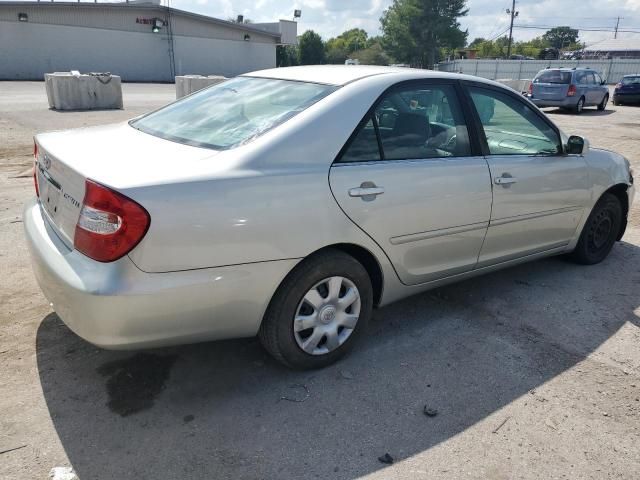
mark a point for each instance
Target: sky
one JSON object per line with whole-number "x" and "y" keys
{"x": 486, "y": 18}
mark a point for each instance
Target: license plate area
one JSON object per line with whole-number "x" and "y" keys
{"x": 49, "y": 193}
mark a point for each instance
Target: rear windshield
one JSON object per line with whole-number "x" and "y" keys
{"x": 553, "y": 76}
{"x": 231, "y": 113}
{"x": 631, "y": 80}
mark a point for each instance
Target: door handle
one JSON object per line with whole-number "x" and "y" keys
{"x": 505, "y": 181}
{"x": 365, "y": 192}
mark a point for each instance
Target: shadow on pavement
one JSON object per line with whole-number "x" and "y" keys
{"x": 226, "y": 410}
{"x": 587, "y": 112}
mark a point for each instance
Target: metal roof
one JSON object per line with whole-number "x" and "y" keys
{"x": 615, "y": 45}
{"x": 145, "y": 6}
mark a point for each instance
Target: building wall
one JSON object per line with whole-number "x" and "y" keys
{"x": 123, "y": 47}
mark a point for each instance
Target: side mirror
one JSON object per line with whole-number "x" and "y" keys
{"x": 577, "y": 145}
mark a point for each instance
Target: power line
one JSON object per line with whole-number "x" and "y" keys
{"x": 587, "y": 29}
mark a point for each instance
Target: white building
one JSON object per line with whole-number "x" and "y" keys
{"x": 137, "y": 40}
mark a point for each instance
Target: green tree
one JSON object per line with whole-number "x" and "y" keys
{"x": 286, "y": 55}
{"x": 415, "y": 30}
{"x": 310, "y": 49}
{"x": 374, "y": 55}
{"x": 561, "y": 37}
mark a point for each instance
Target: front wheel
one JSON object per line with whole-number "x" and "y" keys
{"x": 318, "y": 312}
{"x": 600, "y": 232}
{"x": 603, "y": 104}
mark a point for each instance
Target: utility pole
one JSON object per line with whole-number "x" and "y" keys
{"x": 615, "y": 35}
{"x": 513, "y": 14}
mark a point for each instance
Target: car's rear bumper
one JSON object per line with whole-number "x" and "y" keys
{"x": 116, "y": 305}
{"x": 622, "y": 97}
{"x": 567, "y": 102}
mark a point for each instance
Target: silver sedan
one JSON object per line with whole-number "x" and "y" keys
{"x": 289, "y": 203}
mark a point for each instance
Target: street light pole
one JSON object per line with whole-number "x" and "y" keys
{"x": 513, "y": 14}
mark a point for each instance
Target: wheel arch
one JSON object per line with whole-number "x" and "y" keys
{"x": 620, "y": 192}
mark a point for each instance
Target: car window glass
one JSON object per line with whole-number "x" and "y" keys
{"x": 630, "y": 80}
{"x": 553, "y": 76}
{"x": 598, "y": 79}
{"x": 233, "y": 112}
{"x": 364, "y": 146}
{"x": 591, "y": 79}
{"x": 581, "y": 78}
{"x": 422, "y": 122}
{"x": 513, "y": 128}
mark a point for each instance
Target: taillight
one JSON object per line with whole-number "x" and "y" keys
{"x": 35, "y": 166}
{"x": 572, "y": 90}
{"x": 531, "y": 89}
{"x": 110, "y": 225}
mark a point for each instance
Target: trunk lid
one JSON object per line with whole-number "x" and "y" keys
{"x": 550, "y": 91}
{"x": 117, "y": 156}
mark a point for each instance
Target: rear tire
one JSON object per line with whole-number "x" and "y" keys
{"x": 603, "y": 105}
{"x": 319, "y": 311}
{"x": 579, "y": 106}
{"x": 600, "y": 232}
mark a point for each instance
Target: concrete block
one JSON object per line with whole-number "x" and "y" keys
{"x": 187, "y": 84}
{"x": 75, "y": 91}
{"x": 519, "y": 86}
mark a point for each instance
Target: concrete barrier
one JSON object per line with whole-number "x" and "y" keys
{"x": 187, "y": 84}
{"x": 75, "y": 91}
{"x": 519, "y": 86}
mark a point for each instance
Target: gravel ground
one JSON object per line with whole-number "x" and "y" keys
{"x": 533, "y": 372}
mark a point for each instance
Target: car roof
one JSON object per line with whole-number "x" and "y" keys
{"x": 343, "y": 74}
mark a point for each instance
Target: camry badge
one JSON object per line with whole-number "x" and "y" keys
{"x": 46, "y": 161}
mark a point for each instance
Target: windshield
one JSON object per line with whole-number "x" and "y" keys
{"x": 231, "y": 113}
{"x": 631, "y": 80}
{"x": 553, "y": 76}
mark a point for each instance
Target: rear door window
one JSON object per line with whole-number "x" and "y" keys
{"x": 415, "y": 122}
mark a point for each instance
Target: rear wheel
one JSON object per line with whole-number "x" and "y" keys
{"x": 579, "y": 106}
{"x": 600, "y": 232}
{"x": 319, "y": 311}
{"x": 604, "y": 102}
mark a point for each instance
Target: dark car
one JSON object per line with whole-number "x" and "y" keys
{"x": 628, "y": 90}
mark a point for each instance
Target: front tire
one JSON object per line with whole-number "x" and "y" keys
{"x": 318, "y": 312}
{"x": 600, "y": 232}
{"x": 603, "y": 105}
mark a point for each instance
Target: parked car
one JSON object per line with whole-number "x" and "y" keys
{"x": 288, "y": 203}
{"x": 628, "y": 90}
{"x": 569, "y": 89}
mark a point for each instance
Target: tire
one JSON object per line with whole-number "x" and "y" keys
{"x": 333, "y": 325}
{"x": 603, "y": 105}
{"x": 579, "y": 106}
{"x": 600, "y": 232}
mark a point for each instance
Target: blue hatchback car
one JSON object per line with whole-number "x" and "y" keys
{"x": 569, "y": 88}
{"x": 628, "y": 90}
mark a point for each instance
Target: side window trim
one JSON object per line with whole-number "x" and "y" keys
{"x": 467, "y": 84}
{"x": 376, "y": 128}
{"x": 475, "y": 147}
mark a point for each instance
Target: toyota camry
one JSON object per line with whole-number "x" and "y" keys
{"x": 289, "y": 203}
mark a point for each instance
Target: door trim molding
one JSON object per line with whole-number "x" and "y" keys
{"x": 531, "y": 216}
{"x": 416, "y": 237}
